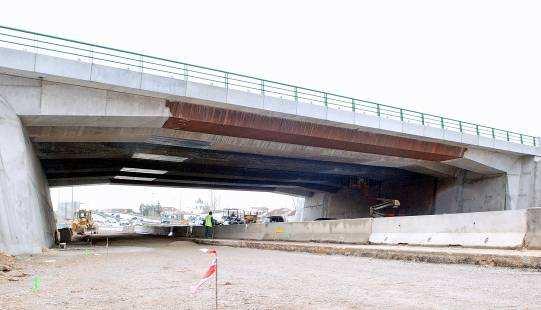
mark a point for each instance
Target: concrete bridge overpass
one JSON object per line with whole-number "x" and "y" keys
{"x": 75, "y": 113}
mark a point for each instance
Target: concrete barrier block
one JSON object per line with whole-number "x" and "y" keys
{"x": 206, "y": 92}
{"x": 162, "y": 84}
{"x": 116, "y": 76}
{"x": 497, "y": 229}
{"x": 63, "y": 67}
{"x": 350, "y": 231}
{"x": 16, "y": 59}
{"x": 532, "y": 240}
{"x": 245, "y": 99}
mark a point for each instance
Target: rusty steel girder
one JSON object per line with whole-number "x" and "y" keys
{"x": 220, "y": 121}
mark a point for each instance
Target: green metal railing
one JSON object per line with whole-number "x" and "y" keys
{"x": 97, "y": 54}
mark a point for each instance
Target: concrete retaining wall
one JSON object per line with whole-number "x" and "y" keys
{"x": 499, "y": 229}
{"x": 26, "y": 215}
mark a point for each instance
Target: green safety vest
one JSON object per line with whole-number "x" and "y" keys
{"x": 208, "y": 221}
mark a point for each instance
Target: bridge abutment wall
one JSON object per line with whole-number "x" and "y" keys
{"x": 27, "y": 222}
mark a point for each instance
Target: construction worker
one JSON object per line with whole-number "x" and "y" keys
{"x": 209, "y": 223}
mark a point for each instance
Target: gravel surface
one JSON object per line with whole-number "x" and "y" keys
{"x": 158, "y": 274}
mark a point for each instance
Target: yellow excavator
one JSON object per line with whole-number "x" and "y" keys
{"x": 82, "y": 222}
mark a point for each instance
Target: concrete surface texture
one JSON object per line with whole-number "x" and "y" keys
{"x": 514, "y": 229}
{"x": 26, "y": 217}
{"x": 158, "y": 274}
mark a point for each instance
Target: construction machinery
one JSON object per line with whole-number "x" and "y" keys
{"x": 250, "y": 217}
{"x": 82, "y": 222}
{"x": 384, "y": 207}
{"x": 378, "y": 207}
{"x": 232, "y": 216}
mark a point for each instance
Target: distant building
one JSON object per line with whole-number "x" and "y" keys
{"x": 119, "y": 210}
{"x": 201, "y": 206}
{"x": 151, "y": 209}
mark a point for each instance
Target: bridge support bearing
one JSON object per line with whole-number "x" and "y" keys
{"x": 27, "y": 221}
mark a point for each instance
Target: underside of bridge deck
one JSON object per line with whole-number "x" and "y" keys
{"x": 67, "y": 163}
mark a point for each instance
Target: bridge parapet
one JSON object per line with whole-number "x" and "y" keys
{"x": 60, "y": 58}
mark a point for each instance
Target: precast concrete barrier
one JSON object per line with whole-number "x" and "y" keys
{"x": 532, "y": 240}
{"x": 496, "y": 229}
{"x": 346, "y": 231}
{"x": 513, "y": 229}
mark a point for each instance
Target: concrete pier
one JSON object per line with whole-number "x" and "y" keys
{"x": 27, "y": 221}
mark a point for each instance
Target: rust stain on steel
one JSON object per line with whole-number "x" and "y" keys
{"x": 219, "y": 121}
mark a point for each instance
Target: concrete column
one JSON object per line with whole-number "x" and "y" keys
{"x": 27, "y": 221}
{"x": 344, "y": 204}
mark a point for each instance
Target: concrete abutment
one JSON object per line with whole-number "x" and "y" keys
{"x": 27, "y": 221}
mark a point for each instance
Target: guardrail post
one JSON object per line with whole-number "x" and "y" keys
{"x": 521, "y": 141}
{"x": 353, "y": 104}
{"x": 534, "y": 142}
{"x": 186, "y": 72}
{"x": 507, "y": 135}
{"x": 262, "y": 88}
{"x": 226, "y": 80}
{"x": 477, "y": 129}
{"x": 442, "y": 123}
{"x": 325, "y": 99}
{"x": 460, "y": 126}
{"x": 493, "y": 133}
{"x": 296, "y": 93}
{"x": 422, "y": 119}
{"x": 36, "y": 43}
{"x": 401, "y": 115}
{"x": 378, "y": 110}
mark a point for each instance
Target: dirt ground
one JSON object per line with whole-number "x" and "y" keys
{"x": 157, "y": 273}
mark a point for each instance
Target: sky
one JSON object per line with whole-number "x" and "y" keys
{"x": 122, "y": 196}
{"x": 471, "y": 60}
